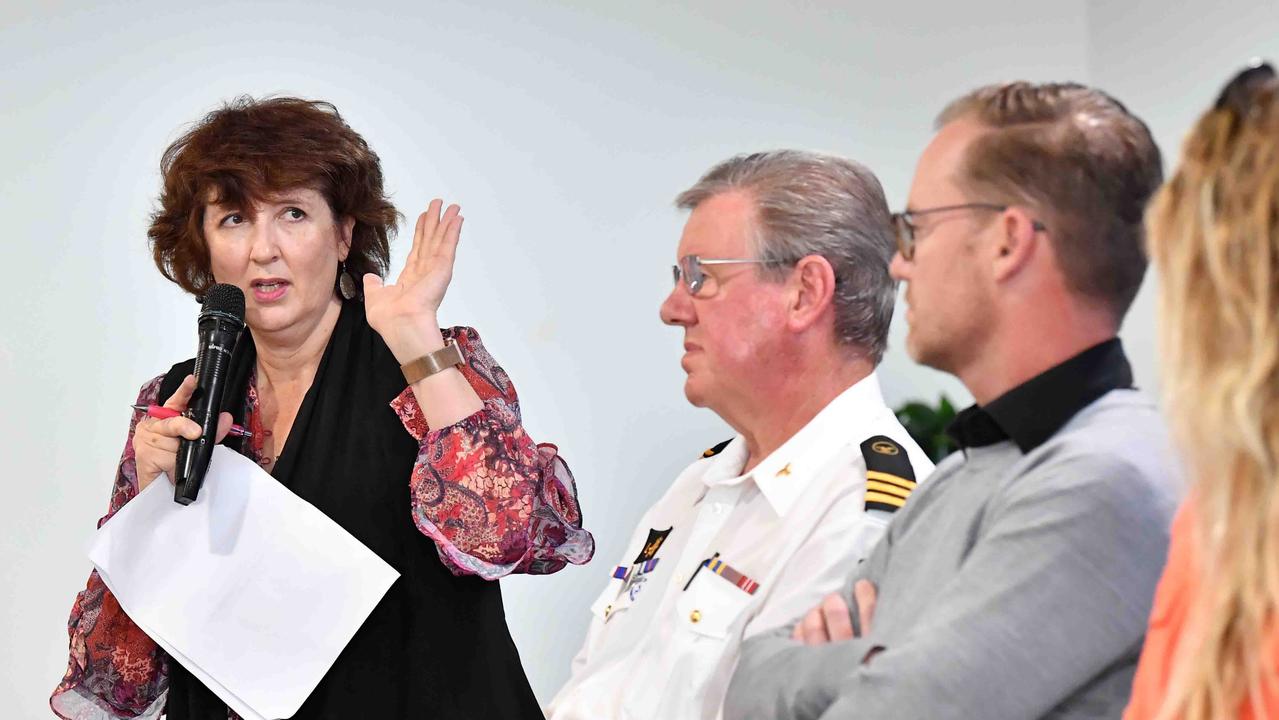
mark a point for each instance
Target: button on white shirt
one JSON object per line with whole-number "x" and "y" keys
{"x": 665, "y": 631}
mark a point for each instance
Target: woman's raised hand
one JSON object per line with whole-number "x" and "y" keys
{"x": 155, "y": 442}
{"x": 404, "y": 313}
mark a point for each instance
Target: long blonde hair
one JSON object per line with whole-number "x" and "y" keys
{"x": 1214, "y": 239}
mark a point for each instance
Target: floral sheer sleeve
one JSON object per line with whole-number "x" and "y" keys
{"x": 115, "y": 670}
{"x": 494, "y": 501}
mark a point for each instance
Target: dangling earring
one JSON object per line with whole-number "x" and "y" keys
{"x": 346, "y": 283}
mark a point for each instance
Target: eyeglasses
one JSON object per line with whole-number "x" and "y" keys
{"x": 906, "y": 223}
{"x": 1238, "y": 94}
{"x": 690, "y": 270}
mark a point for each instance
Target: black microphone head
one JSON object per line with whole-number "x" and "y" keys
{"x": 225, "y": 300}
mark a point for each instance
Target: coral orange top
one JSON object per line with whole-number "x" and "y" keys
{"x": 1167, "y": 622}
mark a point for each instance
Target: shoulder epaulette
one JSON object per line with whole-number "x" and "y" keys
{"x": 717, "y": 449}
{"x": 889, "y": 475}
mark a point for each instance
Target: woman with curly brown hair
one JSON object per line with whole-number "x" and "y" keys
{"x": 432, "y": 470}
{"x": 1212, "y": 649}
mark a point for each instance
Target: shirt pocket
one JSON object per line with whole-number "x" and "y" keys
{"x": 612, "y": 601}
{"x": 712, "y": 607}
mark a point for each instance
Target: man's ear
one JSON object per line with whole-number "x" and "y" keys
{"x": 346, "y": 229}
{"x": 812, "y": 285}
{"x": 1019, "y": 239}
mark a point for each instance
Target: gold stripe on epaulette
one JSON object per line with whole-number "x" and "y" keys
{"x": 889, "y": 478}
{"x": 872, "y": 496}
{"x": 887, "y": 488}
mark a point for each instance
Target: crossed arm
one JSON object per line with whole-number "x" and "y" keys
{"x": 1053, "y": 594}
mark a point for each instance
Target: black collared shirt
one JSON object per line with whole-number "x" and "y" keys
{"x": 1032, "y": 412}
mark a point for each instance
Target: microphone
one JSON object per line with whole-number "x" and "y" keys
{"x": 221, "y": 320}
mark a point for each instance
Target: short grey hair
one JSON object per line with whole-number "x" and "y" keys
{"x": 812, "y": 204}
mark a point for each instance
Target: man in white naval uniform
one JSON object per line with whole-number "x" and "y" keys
{"x": 783, "y": 291}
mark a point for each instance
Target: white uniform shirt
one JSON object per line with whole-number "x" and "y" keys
{"x": 796, "y": 526}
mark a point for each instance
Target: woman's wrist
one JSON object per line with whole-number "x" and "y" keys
{"x": 416, "y": 338}
{"x": 446, "y": 398}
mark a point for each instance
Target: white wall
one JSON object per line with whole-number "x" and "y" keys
{"x": 1167, "y": 61}
{"x": 564, "y": 129}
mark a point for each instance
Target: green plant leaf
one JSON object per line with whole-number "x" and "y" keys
{"x": 927, "y": 425}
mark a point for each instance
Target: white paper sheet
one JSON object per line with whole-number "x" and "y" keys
{"x": 251, "y": 588}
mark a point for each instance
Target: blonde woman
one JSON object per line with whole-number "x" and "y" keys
{"x": 1212, "y": 650}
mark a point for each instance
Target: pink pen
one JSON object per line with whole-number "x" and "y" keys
{"x": 163, "y": 413}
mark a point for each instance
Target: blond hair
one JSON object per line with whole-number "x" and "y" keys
{"x": 1214, "y": 239}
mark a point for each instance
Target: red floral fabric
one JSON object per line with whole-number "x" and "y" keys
{"x": 115, "y": 670}
{"x": 494, "y": 502}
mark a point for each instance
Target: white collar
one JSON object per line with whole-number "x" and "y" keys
{"x": 782, "y": 476}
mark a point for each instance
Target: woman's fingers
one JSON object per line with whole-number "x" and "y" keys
{"x": 445, "y": 253}
{"x": 182, "y": 396}
{"x": 449, "y": 226}
{"x": 419, "y": 241}
{"x": 156, "y": 443}
{"x": 429, "y": 221}
{"x": 176, "y": 427}
{"x": 224, "y": 426}
{"x": 437, "y": 232}
{"x": 450, "y": 216}
{"x": 154, "y": 453}
{"x": 432, "y": 219}
{"x": 417, "y": 292}
{"x": 446, "y": 250}
{"x": 432, "y": 233}
{"x": 165, "y": 444}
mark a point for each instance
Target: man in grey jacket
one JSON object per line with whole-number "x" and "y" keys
{"x": 1017, "y": 582}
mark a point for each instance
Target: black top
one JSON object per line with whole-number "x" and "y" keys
{"x": 1032, "y": 412}
{"x": 437, "y": 645}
